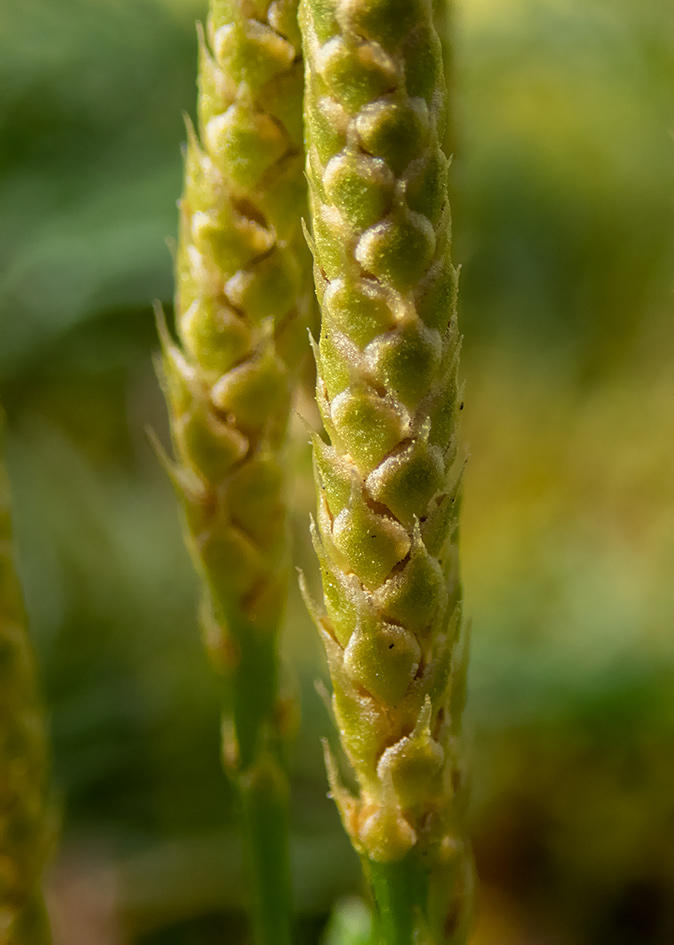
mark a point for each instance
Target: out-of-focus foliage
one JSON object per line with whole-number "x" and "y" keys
{"x": 564, "y": 219}
{"x": 350, "y": 924}
{"x": 565, "y": 166}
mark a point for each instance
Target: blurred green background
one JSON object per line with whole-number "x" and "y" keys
{"x": 564, "y": 222}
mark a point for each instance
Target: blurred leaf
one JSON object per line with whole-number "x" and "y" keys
{"x": 350, "y": 924}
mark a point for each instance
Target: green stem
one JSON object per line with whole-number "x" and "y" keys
{"x": 254, "y": 692}
{"x": 264, "y": 802}
{"x": 254, "y": 755}
{"x": 400, "y": 891}
{"x": 411, "y": 898}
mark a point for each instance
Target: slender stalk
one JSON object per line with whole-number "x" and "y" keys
{"x": 242, "y": 297}
{"x": 401, "y": 893}
{"x": 23, "y": 762}
{"x": 388, "y": 478}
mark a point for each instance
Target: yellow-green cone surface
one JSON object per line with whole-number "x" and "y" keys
{"x": 241, "y": 299}
{"x": 387, "y": 480}
{"x": 23, "y": 762}
{"x": 243, "y": 294}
